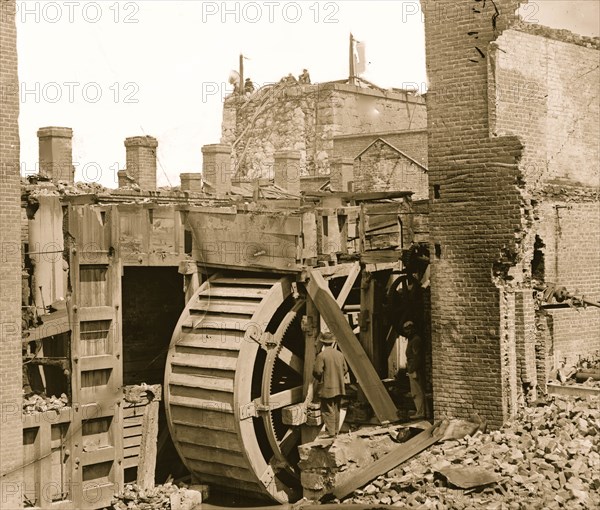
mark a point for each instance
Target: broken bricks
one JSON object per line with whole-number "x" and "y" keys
{"x": 547, "y": 458}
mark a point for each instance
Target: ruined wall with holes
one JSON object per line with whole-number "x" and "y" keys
{"x": 504, "y": 127}
{"x": 11, "y": 446}
{"x": 306, "y": 118}
{"x": 544, "y": 88}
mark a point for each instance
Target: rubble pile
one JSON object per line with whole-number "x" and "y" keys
{"x": 40, "y": 403}
{"x": 548, "y": 458}
{"x": 168, "y": 497}
{"x": 326, "y": 463}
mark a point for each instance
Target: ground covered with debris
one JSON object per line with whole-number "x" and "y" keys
{"x": 547, "y": 458}
{"x": 168, "y": 497}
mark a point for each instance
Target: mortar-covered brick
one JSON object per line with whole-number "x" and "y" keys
{"x": 307, "y": 118}
{"x": 11, "y": 431}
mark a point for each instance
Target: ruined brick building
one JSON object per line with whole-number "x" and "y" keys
{"x": 514, "y": 169}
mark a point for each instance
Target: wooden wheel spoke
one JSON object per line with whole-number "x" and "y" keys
{"x": 292, "y": 360}
{"x": 285, "y": 398}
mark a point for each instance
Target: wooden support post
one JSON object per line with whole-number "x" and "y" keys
{"x": 148, "y": 446}
{"x": 370, "y": 328}
{"x": 311, "y": 334}
{"x": 367, "y": 377}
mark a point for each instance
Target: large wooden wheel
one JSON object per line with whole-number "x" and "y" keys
{"x": 235, "y": 361}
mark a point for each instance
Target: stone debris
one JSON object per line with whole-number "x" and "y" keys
{"x": 168, "y": 497}
{"x": 548, "y": 458}
{"x": 40, "y": 403}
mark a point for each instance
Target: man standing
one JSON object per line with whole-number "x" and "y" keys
{"x": 330, "y": 369}
{"x": 414, "y": 363}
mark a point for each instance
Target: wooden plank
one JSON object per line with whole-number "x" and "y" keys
{"x": 309, "y": 235}
{"x": 209, "y": 304}
{"x": 133, "y": 451}
{"x": 367, "y": 377}
{"x": 389, "y": 461}
{"x": 215, "y": 362}
{"x": 209, "y": 383}
{"x": 96, "y": 313}
{"x": 105, "y": 454}
{"x": 285, "y": 398}
{"x": 359, "y": 196}
{"x": 147, "y": 460}
{"x": 257, "y": 222}
{"x": 204, "y": 454}
{"x": 243, "y": 282}
{"x": 245, "y": 291}
{"x": 347, "y": 287}
{"x": 344, "y": 293}
{"x": 573, "y": 390}
{"x": 380, "y": 256}
{"x": 100, "y": 362}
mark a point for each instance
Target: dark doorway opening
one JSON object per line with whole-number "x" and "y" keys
{"x": 152, "y": 301}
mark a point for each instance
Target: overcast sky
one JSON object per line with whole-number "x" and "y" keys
{"x": 112, "y": 69}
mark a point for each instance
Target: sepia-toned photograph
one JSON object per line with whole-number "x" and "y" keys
{"x": 308, "y": 255}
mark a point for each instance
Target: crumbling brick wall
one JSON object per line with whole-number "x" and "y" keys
{"x": 489, "y": 164}
{"x": 11, "y": 445}
{"x": 544, "y": 88}
{"x": 307, "y": 118}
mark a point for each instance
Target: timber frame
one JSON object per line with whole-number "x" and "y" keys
{"x": 315, "y": 239}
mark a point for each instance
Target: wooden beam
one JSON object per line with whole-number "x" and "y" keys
{"x": 312, "y": 330}
{"x": 361, "y": 196}
{"x": 389, "y": 461}
{"x": 148, "y": 446}
{"x": 347, "y": 287}
{"x": 343, "y": 295}
{"x": 367, "y": 377}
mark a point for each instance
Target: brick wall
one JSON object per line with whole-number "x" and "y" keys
{"x": 544, "y": 88}
{"x": 570, "y": 231}
{"x": 413, "y": 143}
{"x": 11, "y": 445}
{"x": 382, "y": 168}
{"x": 307, "y": 119}
{"x": 475, "y": 212}
{"x": 505, "y": 123}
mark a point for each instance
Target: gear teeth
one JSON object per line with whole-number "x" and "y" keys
{"x": 284, "y": 326}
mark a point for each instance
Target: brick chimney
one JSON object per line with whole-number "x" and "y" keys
{"x": 191, "y": 182}
{"x": 141, "y": 160}
{"x": 287, "y": 171}
{"x": 56, "y": 153}
{"x": 341, "y": 174}
{"x": 216, "y": 168}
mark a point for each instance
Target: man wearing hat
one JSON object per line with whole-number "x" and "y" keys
{"x": 330, "y": 369}
{"x": 414, "y": 362}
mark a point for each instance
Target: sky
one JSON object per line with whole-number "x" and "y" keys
{"x": 113, "y": 69}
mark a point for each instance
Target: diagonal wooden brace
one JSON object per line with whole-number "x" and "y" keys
{"x": 361, "y": 366}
